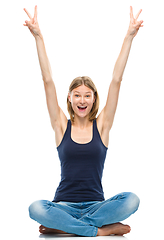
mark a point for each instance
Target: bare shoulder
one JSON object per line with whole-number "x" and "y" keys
{"x": 60, "y": 127}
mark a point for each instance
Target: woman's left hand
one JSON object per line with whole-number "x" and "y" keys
{"x": 134, "y": 25}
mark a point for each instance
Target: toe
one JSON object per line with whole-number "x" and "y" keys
{"x": 42, "y": 229}
{"x": 128, "y": 228}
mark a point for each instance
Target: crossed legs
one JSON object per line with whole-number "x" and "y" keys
{"x": 102, "y": 218}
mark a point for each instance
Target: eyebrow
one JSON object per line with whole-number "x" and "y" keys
{"x": 85, "y": 92}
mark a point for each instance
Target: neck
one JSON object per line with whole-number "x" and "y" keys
{"x": 81, "y": 122}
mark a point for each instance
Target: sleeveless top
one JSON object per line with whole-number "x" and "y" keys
{"x": 81, "y": 168}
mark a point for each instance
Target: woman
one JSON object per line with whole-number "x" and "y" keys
{"x": 79, "y": 206}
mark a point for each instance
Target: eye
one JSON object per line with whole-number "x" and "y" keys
{"x": 76, "y": 95}
{"x": 87, "y": 96}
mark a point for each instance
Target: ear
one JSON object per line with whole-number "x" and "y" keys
{"x": 94, "y": 99}
{"x": 69, "y": 97}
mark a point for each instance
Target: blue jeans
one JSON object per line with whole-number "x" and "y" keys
{"x": 84, "y": 218}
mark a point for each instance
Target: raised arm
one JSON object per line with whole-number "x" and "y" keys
{"x": 113, "y": 93}
{"x": 124, "y": 54}
{"x": 55, "y": 111}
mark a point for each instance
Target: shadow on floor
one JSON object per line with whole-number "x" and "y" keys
{"x": 75, "y": 237}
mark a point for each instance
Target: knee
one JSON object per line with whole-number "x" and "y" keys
{"x": 36, "y": 209}
{"x": 133, "y": 202}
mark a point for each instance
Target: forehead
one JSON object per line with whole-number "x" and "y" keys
{"x": 82, "y": 89}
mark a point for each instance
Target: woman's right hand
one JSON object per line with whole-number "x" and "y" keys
{"x": 33, "y": 23}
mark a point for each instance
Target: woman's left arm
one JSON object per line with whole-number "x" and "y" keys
{"x": 113, "y": 93}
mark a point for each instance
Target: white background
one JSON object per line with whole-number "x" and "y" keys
{"x": 82, "y": 38}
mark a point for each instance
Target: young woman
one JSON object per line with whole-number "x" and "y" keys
{"x": 79, "y": 206}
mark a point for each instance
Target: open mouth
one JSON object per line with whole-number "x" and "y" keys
{"x": 82, "y": 108}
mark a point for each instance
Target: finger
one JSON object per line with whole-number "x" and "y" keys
{"x": 131, "y": 12}
{"x": 138, "y": 24}
{"x": 29, "y": 15}
{"x": 35, "y": 14}
{"x": 25, "y": 24}
{"x": 28, "y": 24}
{"x": 137, "y": 15}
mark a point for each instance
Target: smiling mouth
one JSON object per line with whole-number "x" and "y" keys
{"x": 82, "y": 108}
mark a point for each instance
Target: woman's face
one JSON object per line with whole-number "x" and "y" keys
{"x": 82, "y": 99}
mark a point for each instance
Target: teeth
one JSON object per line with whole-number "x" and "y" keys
{"x": 82, "y": 107}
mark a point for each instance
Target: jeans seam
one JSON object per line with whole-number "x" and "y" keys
{"x": 98, "y": 209}
{"x": 95, "y": 232}
{"x": 108, "y": 201}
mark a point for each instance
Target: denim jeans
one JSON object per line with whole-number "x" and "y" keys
{"x": 84, "y": 218}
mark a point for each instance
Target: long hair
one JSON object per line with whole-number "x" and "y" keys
{"x": 87, "y": 81}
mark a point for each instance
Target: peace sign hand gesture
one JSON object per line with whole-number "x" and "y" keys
{"x": 33, "y": 23}
{"x": 134, "y": 25}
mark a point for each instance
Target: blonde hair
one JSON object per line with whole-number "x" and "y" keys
{"x": 87, "y": 81}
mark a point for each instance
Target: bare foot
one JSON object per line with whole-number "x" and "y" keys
{"x": 45, "y": 230}
{"x": 113, "y": 229}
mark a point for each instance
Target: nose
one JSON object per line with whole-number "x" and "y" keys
{"x": 82, "y": 100}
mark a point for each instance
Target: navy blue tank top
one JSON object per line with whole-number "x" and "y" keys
{"x": 81, "y": 168}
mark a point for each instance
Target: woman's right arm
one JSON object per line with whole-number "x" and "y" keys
{"x": 50, "y": 90}
{"x": 55, "y": 112}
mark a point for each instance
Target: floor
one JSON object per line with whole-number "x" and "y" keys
{"x": 130, "y": 236}
{"x": 69, "y": 237}
{"x": 72, "y": 237}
